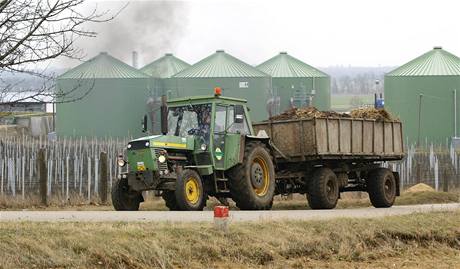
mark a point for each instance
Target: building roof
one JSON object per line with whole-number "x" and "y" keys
{"x": 165, "y": 67}
{"x": 220, "y": 65}
{"x": 436, "y": 62}
{"x": 284, "y": 65}
{"x": 103, "y": 66}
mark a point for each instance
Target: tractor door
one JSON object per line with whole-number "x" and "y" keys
{"x": 218, "y": 151}
{"x": 229, "y": 128}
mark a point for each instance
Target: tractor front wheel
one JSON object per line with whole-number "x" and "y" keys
{"x": 124, "y": 199}
{"x": 190, "y": 195}
{"x": 170, "y": 200}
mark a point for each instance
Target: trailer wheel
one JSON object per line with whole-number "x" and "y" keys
{"x": 124, "y": 199}
{"x": 381, "y": 186}
{"x": 170, "y": 200}
{"x": 252, "y": 183}
{"x": 189, "y": 191}
{"x": 323, "y": 189}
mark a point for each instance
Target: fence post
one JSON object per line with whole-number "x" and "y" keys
{"x": 103, "y": 176}
{"x": 42, "y": 173}
{"x": 446, "y": 174}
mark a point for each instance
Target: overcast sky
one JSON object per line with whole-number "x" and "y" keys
{"x": 321, "y": 33}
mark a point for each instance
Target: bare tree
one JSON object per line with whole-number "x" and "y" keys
{"x": 33, "y": 32}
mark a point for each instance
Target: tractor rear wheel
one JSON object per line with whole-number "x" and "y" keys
{"x": 124, "y": 199}
{"x": 381, "y": 186}
{"x": 323, "y": 189}
{"x": 252, "y": 183}
{"x": 189, "y": 193}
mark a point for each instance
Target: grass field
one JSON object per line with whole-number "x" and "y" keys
{"x": 344, "y": 102}
{"x": 298, "y": 202}
{"x": 413, "y": 241}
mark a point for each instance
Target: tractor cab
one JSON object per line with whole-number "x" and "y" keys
{"x": 201, "y": 139}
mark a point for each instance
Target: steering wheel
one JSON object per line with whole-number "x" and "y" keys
{"x": 193, "y": 131}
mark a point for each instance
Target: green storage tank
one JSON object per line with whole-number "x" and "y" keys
{"x": 107, "y": 98}
{"x": 235, "y": 77}
{"x": 165, "y": 67}
{"x": 161, "y": 71}
{"x": 427, "y": 84}
{"x": 296, "y": 83}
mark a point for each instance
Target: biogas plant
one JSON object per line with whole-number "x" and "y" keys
{"x": 417, "y": 92}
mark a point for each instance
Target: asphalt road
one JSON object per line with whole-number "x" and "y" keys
{"x": 206, "y": 216}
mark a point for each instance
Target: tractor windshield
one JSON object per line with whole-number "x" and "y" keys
{"x": 190, "y": 120}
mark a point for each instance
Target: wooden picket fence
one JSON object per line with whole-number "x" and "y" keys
{"x": 437, "y": 165}
{"x": 73, "y": 166}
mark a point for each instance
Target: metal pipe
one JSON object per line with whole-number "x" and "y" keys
{"x": 54, "y": 116}
{"x": 455, "y": 112}
{"x": 135, "y": 59}
{"x": 312, "y": 92}
{"x": 419, "y": 118}
{"x": 164, "y": 115}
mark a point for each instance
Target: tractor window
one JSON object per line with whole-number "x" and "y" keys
{"x": 240, "y": 128}
{"x": 221, "y": 114}
{"x": 190, "y": 120}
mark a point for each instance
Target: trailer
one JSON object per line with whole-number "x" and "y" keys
{"x": 334, "y": 138}
{"x": 349, "y": 151}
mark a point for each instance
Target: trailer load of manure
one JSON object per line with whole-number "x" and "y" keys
{"x": 372, "y": 113}
{"x": 312, "y": 112}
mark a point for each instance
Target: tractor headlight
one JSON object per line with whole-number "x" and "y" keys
{"x": 129, "y": 146}
{"x": 120, "y": 161}
{"x": 203, "y": 147}
{"x": 162, "y": 158}
{"x": 147, "y": 144}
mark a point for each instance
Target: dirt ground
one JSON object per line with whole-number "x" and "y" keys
{"x": 294, "y": 202}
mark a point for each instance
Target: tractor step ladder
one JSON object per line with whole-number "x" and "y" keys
{"x": 221, "y": 182}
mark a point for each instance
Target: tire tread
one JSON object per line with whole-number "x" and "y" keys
{"x": 316, "y": 193}
{"x": 121, "y": 199}
{"x": 374, "y": 189}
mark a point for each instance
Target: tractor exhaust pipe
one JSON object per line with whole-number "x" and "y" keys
{"x": 164, "y": 115}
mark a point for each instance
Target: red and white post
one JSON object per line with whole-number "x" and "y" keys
{"x": 221, "y": 218}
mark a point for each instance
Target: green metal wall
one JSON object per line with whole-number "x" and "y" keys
{"x": 157, "y": 89}
{"x": 257, "y": 93}
{"x": 437, "y": 114}
{"x": 286, "y": 88}
{"x": 114, "y": 107}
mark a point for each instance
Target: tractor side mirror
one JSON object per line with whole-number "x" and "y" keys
{"x": 144, "y": 124}
{"x": 239, "y": 114}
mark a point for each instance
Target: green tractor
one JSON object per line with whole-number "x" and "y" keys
{"x": 207, "y": 148}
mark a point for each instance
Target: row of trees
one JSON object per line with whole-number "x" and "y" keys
{"x": 361, "y": 84}
{"x": 357, "y": 80}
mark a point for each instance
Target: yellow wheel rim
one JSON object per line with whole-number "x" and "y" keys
{"x": 192, "y": 190}
{"x": 263, "y": 176}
